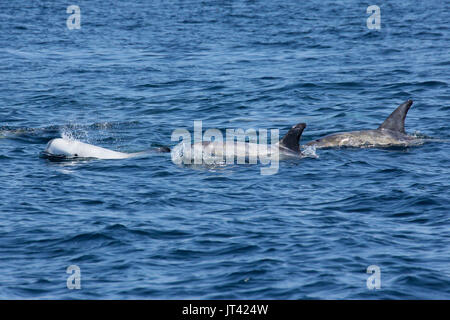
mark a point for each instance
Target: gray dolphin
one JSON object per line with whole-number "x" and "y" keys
{"x": 288, "y": 146}
{"x": 390, "y": 133}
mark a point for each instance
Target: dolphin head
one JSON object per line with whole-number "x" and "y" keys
{"x": 60, "y": 147}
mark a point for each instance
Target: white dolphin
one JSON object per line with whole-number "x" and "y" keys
{"x": 66, "y": 148}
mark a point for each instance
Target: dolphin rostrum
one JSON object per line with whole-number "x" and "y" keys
{"x": 390, "y": 133}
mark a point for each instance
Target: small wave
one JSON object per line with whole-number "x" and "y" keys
{"x": 418, "y": 135}
{"x": 432, "y": 84}
{"x": 70, "y": 131}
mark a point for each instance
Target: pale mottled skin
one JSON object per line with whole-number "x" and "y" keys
{"x": 365, "y": 138}
{"x": 288, "y": 146}
{"x": 243, "y": 149}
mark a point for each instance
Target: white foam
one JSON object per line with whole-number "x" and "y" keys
{"x": 309, "y": 152}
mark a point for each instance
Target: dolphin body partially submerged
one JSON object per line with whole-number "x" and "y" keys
{"x": 69, "y": 149}
{"x": 390, "y": 133}
{"x": 65, "y": 148}
{"x": 288, "y": 146}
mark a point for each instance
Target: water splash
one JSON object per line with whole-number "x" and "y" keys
{"x": 185, "y": 153}
{"x": 74, "y": 132}
{"x": 309, "y": 152}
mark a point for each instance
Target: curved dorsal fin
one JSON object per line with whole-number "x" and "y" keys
{"x": 292, "y": 139}
{"x": 396, "y": 121}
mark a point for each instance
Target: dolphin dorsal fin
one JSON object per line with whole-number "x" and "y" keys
{"x": 396, "y": 121}
{"x": 292, "y": 139}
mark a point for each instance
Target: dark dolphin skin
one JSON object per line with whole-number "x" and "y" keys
{"x": 291, "y": 140}
{"x": 390, "y": 133}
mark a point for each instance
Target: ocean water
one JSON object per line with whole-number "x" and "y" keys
{"x": 146, "y": 228}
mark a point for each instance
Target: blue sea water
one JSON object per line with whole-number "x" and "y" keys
{"x": 145, "y": 228}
